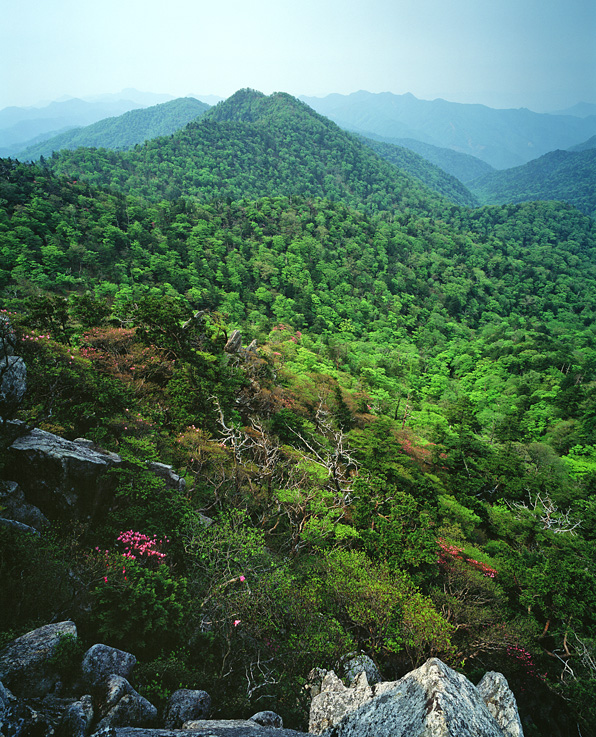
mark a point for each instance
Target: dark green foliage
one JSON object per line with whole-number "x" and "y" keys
{"x": 401, "y": 461}
{"x": 561, "y": 175}
{"x": 431, "y": 175}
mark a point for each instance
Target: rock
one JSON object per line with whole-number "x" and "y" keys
{"x": 185, "y": 705}
{"x": 59, "y": 476}
{"x": 13, "y": 384}
{"x": 315, "y": 680}
{"x": 124, "y": 707}
{"x": 234, "y": 343}
{"x": 353, "y": 664}
{"x": 501, "y": 703}
{"x": 25, "y": 664}
{"x": 102, "y": 661}
{"x": 173, "y": 481}
{"x": 15, "y": 507}
{"x": 19, "y": 526}
{"x": 77, "y": 719}
{"x": 267, "y": 719}
{"x": 335, "y": 701}
{"x": 221, "y": 728}
{"x": 431, "y": 701}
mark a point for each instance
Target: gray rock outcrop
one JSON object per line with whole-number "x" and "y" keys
{"x": 222, "y": 728}
{"x": 123, "y": 706}
{"x": 13, "y": 384}
{"x": 185, "y": 705}
{"x": 61, "y": 477}
{"x": 77, "y": 719}
{"x": 431, "y": 701}
{"x": 497, "y": 695}
{"x": 15, "y": 507}
{"x": 356, "y": 663}
{"x": 267, "y": 719}
{"x": 102, "y": 661}
{"x": 26, "y": 666}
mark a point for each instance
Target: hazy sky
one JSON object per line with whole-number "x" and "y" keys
{"x": 539, "y": 54}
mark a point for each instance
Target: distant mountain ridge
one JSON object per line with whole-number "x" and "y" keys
{"x": 502, "y": 138}
{"x": 250, "y": 146}
{"x": 567, "y": 176}
{"x": 125, "y": 131}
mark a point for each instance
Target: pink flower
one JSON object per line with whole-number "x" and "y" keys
{"x": 242, "y": 578}
{"x": 236, "y": 622}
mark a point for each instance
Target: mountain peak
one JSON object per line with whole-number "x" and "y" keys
{"x": 251, "y": 106}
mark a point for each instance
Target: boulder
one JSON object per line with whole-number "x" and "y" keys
{"x": 122, "y": 706}
{"x": 234, "y": 343}
{"x": 167, "y": 473}
{"x": 26, "y": 666}
{"x": 335, "y": 701}
{"x": 77, "y": 718}
{"x": 221, "y": 728}
{"x": 102, "y": 661}
{"x": 355, "y": 663}
{"x": 501, "y": 703}
{"x": 267, "y": 719}
{"x": 185, "y": 705}
{"x": 13, "y": 384}
{"x": 15, "y": 507}
{"x": 431, "y": 701}
{"x": 59, "y": 476}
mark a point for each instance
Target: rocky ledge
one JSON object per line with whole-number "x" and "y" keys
{"x": 431, "y": 701}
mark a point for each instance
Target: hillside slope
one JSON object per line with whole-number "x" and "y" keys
{"x": 502, "y": 138}
{"x": 249, "y": 146}
{"x": 560, "y": 175}
{"x": 125, "y": 131}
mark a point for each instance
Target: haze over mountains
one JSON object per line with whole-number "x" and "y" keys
{"x": 502, "y": 138}
{"x": 464, "y": 152}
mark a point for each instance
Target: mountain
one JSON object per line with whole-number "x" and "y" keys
{"x": 125, "y": 131}
{"x": 251, "y": 145}
{"x": 397, "y": 450}
{"x": 461, "y": 166}
{"x": 567, "y": 176}
{"x": 581, "y": 110}
{"x": 585, "y": 146}
{"x": 432, "y": 176}
{"x": 502, "y": 138}
{"x": 19, "y": 125}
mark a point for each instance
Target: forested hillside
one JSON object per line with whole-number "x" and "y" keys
{"x": 124, "y": 131}
{"x": 432, "y": 176}
{"x": 461, "y": 166}
{"x": 560, "y": 175}
{"x": 251, "y": 145}
{"x": 397, "y": 458}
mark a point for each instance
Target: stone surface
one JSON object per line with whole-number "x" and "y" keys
{"x": 13, "y": 384}
{"x": 356, "y": 663}
{"x": 223, "y": 728}
{"x": 267, "y": 719}
{"x": 185, "y": 705}
{"x": 25, "y": 664}
{"x": 501, "y": 703}
{"x": 431, "y": 701}
{"x": 122, "y": 706}
{"x": 167, "y": 473}
{"x": 77, "y": 719}
{"x": 59, "y": 476}
{"x": 15, "y": 507}
{"x": 102, "y": 661}
{"x": 234, "y": 343}
{"x": 335, "y": 701}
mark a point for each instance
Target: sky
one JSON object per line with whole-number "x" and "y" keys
{"x": 539, "y": 54}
